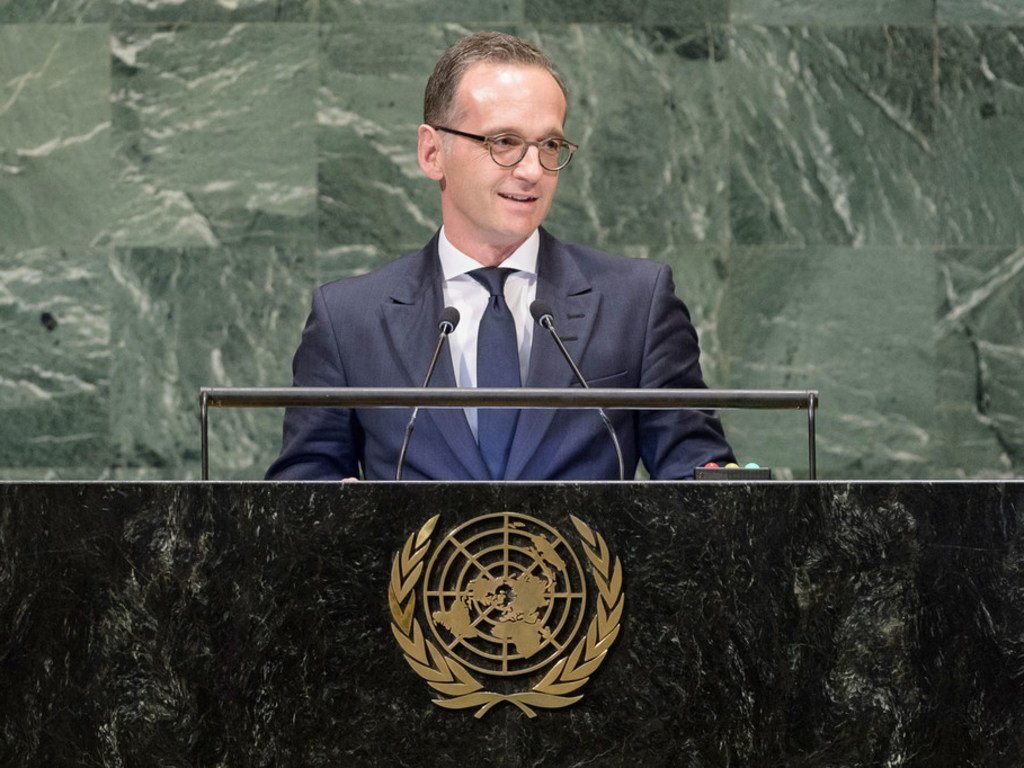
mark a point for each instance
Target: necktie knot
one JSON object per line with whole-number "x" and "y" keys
{"x": 493, "y": 279}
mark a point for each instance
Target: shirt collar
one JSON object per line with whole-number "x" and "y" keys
{"x": 454, "y": 262}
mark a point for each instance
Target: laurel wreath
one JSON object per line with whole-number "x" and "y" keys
{"x": 459, "y": 689}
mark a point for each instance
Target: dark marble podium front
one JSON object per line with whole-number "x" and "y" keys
{"x": 774, "y": 624}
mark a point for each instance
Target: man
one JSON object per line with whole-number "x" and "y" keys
{"x": 492, "y": 138}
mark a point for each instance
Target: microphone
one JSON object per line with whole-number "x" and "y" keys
{"x": 445, "y": 325}
{"x": 544, "y": 317}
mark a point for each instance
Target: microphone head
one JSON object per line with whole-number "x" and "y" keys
{"x": 449, "y": 320}
{"x": 542, "y": 313}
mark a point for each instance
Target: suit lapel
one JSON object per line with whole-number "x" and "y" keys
{"x": 574, "y": 304}
{"x": 410, "y": 319}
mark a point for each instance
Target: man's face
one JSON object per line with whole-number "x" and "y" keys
{"x": 488, "y": 210}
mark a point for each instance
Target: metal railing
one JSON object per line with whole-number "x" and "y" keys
{"x": 410, "y": 397}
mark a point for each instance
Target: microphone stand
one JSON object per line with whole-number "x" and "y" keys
{"x": 542, "y": 314}
{"x": 449, "y": 319}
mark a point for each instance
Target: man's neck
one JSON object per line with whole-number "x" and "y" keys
{"x": 487, "y": 255}
{"x": 455, "y": 261}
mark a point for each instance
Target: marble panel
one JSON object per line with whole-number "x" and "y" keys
{"x": 54, "y": 362}
{"x": 402, "y": 11}
{"x": 348, "y": 260}
{"x": 213, "y": 10}
{"x": 981, "y": 183}
{"x": 630, "y": 11}
{"x": 980, "y": 11}
{"x": 833, "y": 137}
{"x": 215, "y": 134}
{"x": 52, "y": 473}
{"x": 702, "y": 278}
{"x": 53, "y": 11}
{"x": 981, "y": 360}
{"x": 373, "y": 198}
{"x": 856, "y": 324}
{"x": 190, "y": 318}
{"x": 54, "y": 135}
{"x": 849, "y": 13}
{"x": 649, "y": 111}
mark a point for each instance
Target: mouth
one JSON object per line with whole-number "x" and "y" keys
{"x": 518, "y": 198}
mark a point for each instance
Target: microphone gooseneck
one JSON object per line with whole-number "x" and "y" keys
{"x": 447, "y": 323}
{"x": 545, "y": 318}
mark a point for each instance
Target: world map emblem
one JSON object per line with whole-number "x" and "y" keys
{"x": 504, "y": 598}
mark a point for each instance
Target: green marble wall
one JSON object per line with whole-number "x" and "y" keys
{"x": 839, "y": 187}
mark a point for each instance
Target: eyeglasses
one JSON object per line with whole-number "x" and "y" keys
{"x": 508, "y": 149}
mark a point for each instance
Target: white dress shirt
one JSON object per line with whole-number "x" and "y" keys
{"x": 469, "y": 297}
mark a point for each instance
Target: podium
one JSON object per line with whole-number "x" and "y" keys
{"x": 248, "y": 624}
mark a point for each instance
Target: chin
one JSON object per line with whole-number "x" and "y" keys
{"x": 522, "y": 229}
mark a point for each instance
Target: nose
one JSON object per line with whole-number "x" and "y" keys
{"x": 529, "y": 168}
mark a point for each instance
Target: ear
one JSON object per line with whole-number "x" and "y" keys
{"x": 429, "y": 152}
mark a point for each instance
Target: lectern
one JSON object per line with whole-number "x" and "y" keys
{"x": 759, "y": 624}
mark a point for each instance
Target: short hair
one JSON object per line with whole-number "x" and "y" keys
{"x": 497, "y": 47}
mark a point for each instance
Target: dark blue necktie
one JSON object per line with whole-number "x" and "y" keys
{"x": 497, "y": 365}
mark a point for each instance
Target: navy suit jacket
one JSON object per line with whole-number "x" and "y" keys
{"x": 619, "y": 318}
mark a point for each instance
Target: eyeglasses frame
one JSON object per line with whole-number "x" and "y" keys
{"x": 487, "y": 141}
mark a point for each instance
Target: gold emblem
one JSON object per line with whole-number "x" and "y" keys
{"x": 504, "y": 597}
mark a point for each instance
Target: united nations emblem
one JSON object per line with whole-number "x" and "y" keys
{"x": 504, "y": 598}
